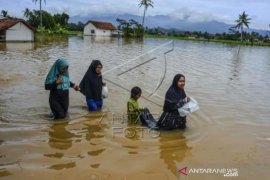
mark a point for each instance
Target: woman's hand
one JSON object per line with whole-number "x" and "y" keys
{"x": 59, "y": 80}
{"x": 186, "y": 99}
{"x": 76, "y": 87}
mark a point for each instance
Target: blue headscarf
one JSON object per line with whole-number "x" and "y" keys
{"x": 54, "y": 72}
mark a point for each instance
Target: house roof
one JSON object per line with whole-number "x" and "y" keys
{"x": 102, "y": 25}
{"x": 7, "y": 23}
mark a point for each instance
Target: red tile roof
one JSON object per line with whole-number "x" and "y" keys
{"x": 102, "y": 25}
{"x": 7, "y": 23}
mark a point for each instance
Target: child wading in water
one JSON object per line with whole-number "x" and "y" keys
{"x": 137, "y": 114}
{"x": 91, "y": 86}
{"x": 133, "y": 108}
{"x": 170, "y": 119}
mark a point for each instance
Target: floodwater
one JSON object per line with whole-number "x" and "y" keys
{"x": 230, "y": 132}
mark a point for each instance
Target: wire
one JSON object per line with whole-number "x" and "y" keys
{"x": 136, "y": 57}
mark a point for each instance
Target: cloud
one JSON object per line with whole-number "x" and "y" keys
{"x": 100, "y": 7}
{"x": 195, "y": 16}
{"x": 192, "y": 10}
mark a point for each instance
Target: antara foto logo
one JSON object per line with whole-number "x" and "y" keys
{"x": 183, "y": 171}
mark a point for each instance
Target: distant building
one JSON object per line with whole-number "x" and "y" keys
{"x": 96, "y": 28}
{"x": 16, "y": 30}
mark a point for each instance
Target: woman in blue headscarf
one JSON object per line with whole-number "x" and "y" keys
{"x": 57, "y": 81}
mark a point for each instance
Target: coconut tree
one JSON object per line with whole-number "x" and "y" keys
{"x": 242, "y": 21}
{"x": 4, "y": 13}
{"x": 145, "y": 4}
{"x": 40, "y": 9}
{"x": 27, "y": 13}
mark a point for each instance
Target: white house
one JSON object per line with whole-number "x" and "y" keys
{"x": 16, "y": 30}
{"x": 96, "y": 28}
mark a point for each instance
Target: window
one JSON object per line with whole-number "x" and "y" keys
{"x": 92, "y": 31}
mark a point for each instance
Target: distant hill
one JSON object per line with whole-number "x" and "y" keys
{"x": 167, "y": 22}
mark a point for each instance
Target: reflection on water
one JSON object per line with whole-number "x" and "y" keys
{"x": 173, "y": 150}
{"x": 236, "y": 65}
{"x": 231, "y": 84}
{"x": 45, "y": 40}
{"x": 60, "y": 137}
{"x": 95, "y": 135}
{"x": 94, "y": 132}
{"x": 96, "y": 39}
{"x": 133, "y": 132}
{"x": 17, "y": 46}
{"x": 55, "y": 155}
{"x": 4, "y": 172}
{"x": 63, "y": 166}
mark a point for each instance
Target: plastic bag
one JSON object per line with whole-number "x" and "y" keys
{"x": 189, "y": 107}
{"x": 105, "y": 91}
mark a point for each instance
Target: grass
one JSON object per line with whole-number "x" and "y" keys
{"x": 210, "y": 40}
{"x": 74, "y": 33}
{"x": 80, "y": 33}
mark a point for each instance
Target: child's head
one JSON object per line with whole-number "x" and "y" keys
{"x": 62, "y": 65}
{"x": 96, "y": 66}
{"x": 136, "y": 92}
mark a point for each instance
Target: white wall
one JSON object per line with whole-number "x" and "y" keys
{"x": 19, "y": 46}
{"x": 98, "y": 32}
{"x": 19, "y": 32}
{"x": 102, "y": 32}
{"x": 87, "y": 29}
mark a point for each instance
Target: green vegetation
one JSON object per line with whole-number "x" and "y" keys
{"x": 241, "y": 22}
{"x": 130, "y": 28}
{"x": 145, "y": 4}
{"x": 233, "y": 37}
{"x": 47, "y": 23}
{"x": 4, "y": 13}
{"x": 191, "y": 38}
{"x": 52, "y": 23}
{"x": 40, "y": 10}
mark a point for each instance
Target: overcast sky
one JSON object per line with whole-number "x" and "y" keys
{"x": 194, "y": 10}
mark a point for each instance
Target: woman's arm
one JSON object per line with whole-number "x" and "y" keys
{"x": 74, "y": 86}
{"x": 182, "y": 102}
{"x": 52, "y": 86}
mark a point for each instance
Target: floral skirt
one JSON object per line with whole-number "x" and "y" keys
{"x": 167, "y": 121}
{"x": 171, "y": 120}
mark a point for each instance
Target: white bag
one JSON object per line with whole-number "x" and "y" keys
{"x": 189, "y": 107}
{"x": 105, "y": 91}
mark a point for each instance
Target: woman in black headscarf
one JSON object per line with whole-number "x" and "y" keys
{"x": 175, "y": 98}
{"x": 91, "y": 86}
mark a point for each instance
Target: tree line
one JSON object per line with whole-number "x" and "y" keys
{"x": 51, "y": 23}
{"x": 58, "y": 23}
{"x": 198, "y": 35}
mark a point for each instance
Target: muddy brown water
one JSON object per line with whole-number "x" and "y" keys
{"x": 230, "y": 131}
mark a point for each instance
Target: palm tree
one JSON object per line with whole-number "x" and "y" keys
{"x": 4, "y": 13}
{"x": 40, "y": 10}
{"x": 269, "y": 31}
{"x": 26, "y": 13}
{"x": 241, "y": 22}
{"x": 146, "y": 4}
